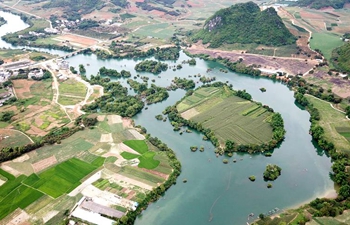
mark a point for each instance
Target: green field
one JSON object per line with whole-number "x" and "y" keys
{"x": 334, "y": 123}
{"x": 326, "y": 47}
{"x": 128, "y": 155}
{"x": 229, "y": 117}
{"x": 146, "y": 157}
{"x": 73, "y": 88}
{"x": 62, "y": 178}
{"x": 138, "y": 145}
{"x": 20, "y": 197}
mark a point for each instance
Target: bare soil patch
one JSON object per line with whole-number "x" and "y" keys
{"x": 113, "y": 119}
{"x": 159, "y": 174}
{"x": 188, "y": 114}
{"x": 19, "y": 217}
{"x": 22, "y": 88}
{"x": 126, "y": 148}
{"x": 11, "y": 170}
{"x": 289, "y": 65}
{"x": 309, "y": 15}
{"x": 22, "y": 158}
{"x": 127, "y": 123}
{"x": 106, "y": 138}
{"x": 43, "y": 164}
{"x": 74, "y": 39}
{"x": 136, "y": 134}
{"x": 119, "y": 177}
{"x": 101, "y": 118}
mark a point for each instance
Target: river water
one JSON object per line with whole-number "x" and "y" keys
{"x": 218, "y": 193}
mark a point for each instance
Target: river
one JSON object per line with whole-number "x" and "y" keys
{"x": 14, "y": 24}
{"x": 223, "y": 192}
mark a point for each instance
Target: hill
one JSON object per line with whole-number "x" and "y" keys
{"x": 341, "y": 58}
{"x": 244, "y": 23}
{"x": 318, "y": 4}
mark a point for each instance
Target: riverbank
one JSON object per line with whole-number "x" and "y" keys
{"x": 288, "y": 65}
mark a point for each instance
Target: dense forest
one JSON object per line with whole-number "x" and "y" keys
{"x": 318, "y": 4}
{"x": 151, "y": 66}
{"x": 116, "y": 99}
{"x": 341, "y": 58}
{"x": 244, "y": 23}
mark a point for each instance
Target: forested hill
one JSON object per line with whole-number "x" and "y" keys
{"x": 341, "y": 58}
{"x": 244, "y": 23}
{"x": 318, "y": 4}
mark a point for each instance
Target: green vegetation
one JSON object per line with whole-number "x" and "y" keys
{"x": 129, "y": 156}
{"x": 146, "y": 157}
{"x": 114, "y": 73}
{"x": 326, "y": 48}
{"x": 151, "y": 66}
{"x": 244, "y": 23}
{"x": 319, "y": 4}
{"x": 228, "y": 120}
{"x": 2, "y": 21}
{"x": 62, "y": 178}
{"x": 341, "y": 58}
{"x": 20, "y": 197}
{"x": 252, "y": 178}
{"x": 335, "y": 125}
{"x": 152, "y": 94}
{"x": 183, "y": 83}
{"x": 272, "y": 172}
{"x": 73, "y": 10}
{"x": 72, "y": 87}
{"x": 115, "y": 99}
{"x": 170, "y": 53}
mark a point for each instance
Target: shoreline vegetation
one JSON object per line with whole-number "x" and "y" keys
{"x": 228, "y": 146}
{"x": 2, "y": 21}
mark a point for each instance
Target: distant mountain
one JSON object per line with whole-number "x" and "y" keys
{"x": 341, "y": 58}
{"x": 318, "y": 4}
{"x": 244, "y": 23}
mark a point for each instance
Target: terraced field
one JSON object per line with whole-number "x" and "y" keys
{"x": 229, "y": 116}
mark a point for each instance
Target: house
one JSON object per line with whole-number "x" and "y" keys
{"x": 36, "y": 73}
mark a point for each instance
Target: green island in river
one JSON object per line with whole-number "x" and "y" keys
{"x": 229, "y": 119}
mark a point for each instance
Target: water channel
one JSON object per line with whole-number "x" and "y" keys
{"x": 217, "y": 193}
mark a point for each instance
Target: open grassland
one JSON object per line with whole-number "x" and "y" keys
{"x": 14, "y": 54}
{"x": 71, "y": 92}
{"x": 318, "y": 41}
{"x": 334, "y": 123}
{"x": 12, "y": 138}
{"x": 229, "y": 117}
{"x": 62, "y": 178}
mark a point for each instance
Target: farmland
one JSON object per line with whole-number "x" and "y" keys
{"x": 34, "y": 113}
{"x": 228, "y": 116}
{"x": 12, "y": 138}
{"x": 146, "y": 157}
{"x": 71, "y": 92}
{"x": 334, "y": 123}
{"x": 45, "y": 183}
